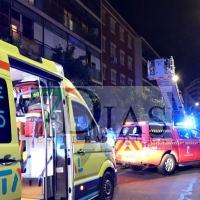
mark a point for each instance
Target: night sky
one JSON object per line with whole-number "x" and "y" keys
{"x": 171, "y": 27}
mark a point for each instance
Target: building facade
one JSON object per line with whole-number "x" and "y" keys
{"x": 119, "y": 51}
{"x": 38, "y": 26}
{"x": 124, "y": 52}
{"x": 192, "y": 93}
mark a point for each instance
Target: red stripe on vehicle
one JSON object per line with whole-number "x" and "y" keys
{"x": 120, "y": 145}
{"x": 72, "y": 91}
{"x": 4, "y": 65}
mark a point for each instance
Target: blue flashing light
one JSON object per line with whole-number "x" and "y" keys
{"x": 187, "y": 123}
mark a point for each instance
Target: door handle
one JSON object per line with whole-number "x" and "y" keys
{"x": 182, "y": 142}
{"x": 81, "y": 152}
{"x": 7, "y": 161}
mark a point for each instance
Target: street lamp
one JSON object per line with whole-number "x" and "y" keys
{"x": 175, "y": 78}
{"x": 196, "y": 104}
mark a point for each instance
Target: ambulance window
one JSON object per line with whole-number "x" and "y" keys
{"x": 5, "y": 128}
{"x": 85, "y": 126}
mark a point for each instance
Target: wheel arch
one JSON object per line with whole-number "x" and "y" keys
{"x": 170, "y": 152}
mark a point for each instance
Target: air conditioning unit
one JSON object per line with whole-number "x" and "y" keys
{"x": 113, "y": 59}
{"x": 94, "y": 31}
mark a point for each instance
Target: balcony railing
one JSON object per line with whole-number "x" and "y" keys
{"x": 27, "y": 47}
{"x": 95, "y": 74}
{"x": 32, "y": 49}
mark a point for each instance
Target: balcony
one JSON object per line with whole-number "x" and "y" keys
{"x": 95, "y": 75}
{"x": 27, "y": 47}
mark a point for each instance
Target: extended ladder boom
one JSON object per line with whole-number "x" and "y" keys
{"x": 162, "y": 70}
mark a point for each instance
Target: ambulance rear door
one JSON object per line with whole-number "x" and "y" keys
{"x": 10, "y": 170}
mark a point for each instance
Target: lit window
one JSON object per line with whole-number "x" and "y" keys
{"x": 130, "y": 63}
{"x": 129, "y": 41}
{"x": 31, "y": 1}
{"x": 103, "y": 43}
{"x": 112, "y": 25}
{"x": 122, "y": 54}
{"x": 122, "y": 79}
{"x": 121, "y": 33}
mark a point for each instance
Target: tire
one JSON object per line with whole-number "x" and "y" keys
{"x": 167, "y": 165}
{"x": 107, "y": 187}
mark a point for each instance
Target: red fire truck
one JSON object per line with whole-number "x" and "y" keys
{"x": 164, "y": 145}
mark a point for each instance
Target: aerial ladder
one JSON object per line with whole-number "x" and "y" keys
{"x": 163, "y": 71}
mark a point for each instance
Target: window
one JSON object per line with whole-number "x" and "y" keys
{"x": 122, "y": 54}
{"x": 130, "y": 82}
{"x": 104, "y": 71}
{"x": 121, "y": 33}
{"x": 184, "y": 133}
{"x": 160, "y": 131}
{"x": 134, "y": 131}
{"x": 113, "y": 76}
{"x": 27, "y": 27}
{"x": 31, "y": 1}
{"x": 103, "y": 15}
{"x": 5, "y": 127}
{"x": 112, "y": 50}
{"x": 195, "y": 134}
{"x": 112, "y": 25}
{"x": 129, "y": 63}
{"x": 122, "y": 79}
{"x": 129, "y": 41}
{"x": 85, "y": 126}
{"x": 103, "y": 43}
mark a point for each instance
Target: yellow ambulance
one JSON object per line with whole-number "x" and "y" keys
{"x": 45, "y": 121}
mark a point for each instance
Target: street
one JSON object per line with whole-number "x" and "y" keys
{"x": 149, "y": 184}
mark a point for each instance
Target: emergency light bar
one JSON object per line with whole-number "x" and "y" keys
{"x": 59, "y": 68}
{"x": 140, "y": 123}
{"x": 188, "y": 122}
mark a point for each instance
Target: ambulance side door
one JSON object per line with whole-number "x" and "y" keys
{"x": 88, "y": 155}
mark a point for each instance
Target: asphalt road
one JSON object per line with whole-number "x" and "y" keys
{"x": 150, "y": 185}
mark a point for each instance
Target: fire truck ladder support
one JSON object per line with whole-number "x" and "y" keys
{"x": 162, "y": 70}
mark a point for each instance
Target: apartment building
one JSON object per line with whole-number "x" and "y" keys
{"x": 37, "y": 26}
{"x": 192, "y": 93}
{"x": 124, "y": 52}
{"x": 121, "y": 47}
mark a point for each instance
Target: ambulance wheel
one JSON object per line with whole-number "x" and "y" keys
{"x": 167, "y": 165}
{"x": 107, "y": 187}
